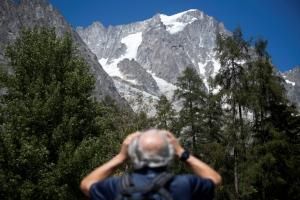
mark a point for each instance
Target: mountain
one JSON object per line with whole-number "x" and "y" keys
{"x": 147, "y": 57}
{"x": 292, "y": 80}
{"x": 15, "y": 15}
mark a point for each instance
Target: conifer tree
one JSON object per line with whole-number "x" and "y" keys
{"x": 232, "y": 52}
{"x": 213, "y": 115}
{"x": 192, "y": 94}
{"x": 165, "y": 113}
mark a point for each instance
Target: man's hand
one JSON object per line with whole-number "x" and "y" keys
{"x": 198, "y": 167}
{"x": 105, "y": 170}
{"x": 124, "y": 148}
{"x": 174, "y": 141}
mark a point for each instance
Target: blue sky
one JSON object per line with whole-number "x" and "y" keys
{"x": 277, "y": 21}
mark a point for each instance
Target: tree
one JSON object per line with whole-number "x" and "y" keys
{"x": 273, "y": 154}
{"x": 48, "y": 116}
{"x": 192, "y": 94}
{"x": 165, "y": 113}
{"x": 213, "y": 115}
{"x": 233, "y": 52}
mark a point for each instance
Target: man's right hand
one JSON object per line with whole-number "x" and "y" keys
{"x": 124, "y": 148}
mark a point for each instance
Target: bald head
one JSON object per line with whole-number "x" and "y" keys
{"x": 153, "y": 141}
{"x": 151, "y": 149}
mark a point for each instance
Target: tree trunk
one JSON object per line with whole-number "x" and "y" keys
{"x": 235, "y": 156}
{"x": 192, "y": 127}
{"x": 236, "y": 178}
{"x": 241, "y": 122}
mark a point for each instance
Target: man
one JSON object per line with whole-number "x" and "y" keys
{"x": 151, "y": 152}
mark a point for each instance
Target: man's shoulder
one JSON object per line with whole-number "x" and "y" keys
{"x": 106, "y": 188}
{"x": 191, "y": 179}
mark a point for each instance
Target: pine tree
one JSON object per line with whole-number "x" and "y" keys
{"x": 232, "y": 52}
{"x": 192, "y": 94}
{"x": 165, "y": 114}
{"x": 213, "y": 115}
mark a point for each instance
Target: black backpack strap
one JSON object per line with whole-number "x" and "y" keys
{"x": 159, "y": 184}
{"x": 125, "y": 183}
{"x": 162, "y": 179}
{"x": 156, "y": 185}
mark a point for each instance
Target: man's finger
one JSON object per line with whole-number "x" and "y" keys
{"x": 132, "y": 136}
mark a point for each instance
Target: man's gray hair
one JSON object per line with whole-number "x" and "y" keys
{"x": 143, "y": 158}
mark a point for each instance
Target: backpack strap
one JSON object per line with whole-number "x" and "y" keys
{"x": 127, "y": 188}
{"x": 159, "y": 184}
{"x": 125, "y": 183}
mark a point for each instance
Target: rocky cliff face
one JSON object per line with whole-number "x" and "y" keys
{"x": 147, "y": 57}
{"x": 292, "y": 84}
{"x": 15, "y": 15}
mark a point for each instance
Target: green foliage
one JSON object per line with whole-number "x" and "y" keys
{"x": 52, "y": 131}
{"x": 165, "y": 114}
{"x": 261, "y": 154}
{"x": 192, "y": 94}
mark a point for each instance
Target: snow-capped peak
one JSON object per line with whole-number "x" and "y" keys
{"x": 174, "y": 23}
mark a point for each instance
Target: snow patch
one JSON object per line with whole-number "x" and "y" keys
{"x": 217, "y": 66}
{"x": 165, "y": 87}
{"x": 290, "y": 82}
{"x": 201, "y": 68}
{"x": 216, "y": 90}
{"x": 111, "y": 69}
{"x": 172, "y": 23}
{"x": 132, "y": 43}
{"x": 133, "y": 81}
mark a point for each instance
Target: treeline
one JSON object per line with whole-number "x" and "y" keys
{"x": 52, "y": 131}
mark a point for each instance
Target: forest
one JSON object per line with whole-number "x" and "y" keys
{"x": 53, "y": 131}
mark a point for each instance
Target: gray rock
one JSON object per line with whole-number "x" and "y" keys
{"x": 133, "y": 72}
{"x": 292, "y": 85}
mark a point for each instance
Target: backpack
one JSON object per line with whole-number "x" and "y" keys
{"x": 155, "y": 190}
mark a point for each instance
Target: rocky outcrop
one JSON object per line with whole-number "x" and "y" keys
{"x": 15, "y": 15}
{"x": 292, "y": 84}
{"x": 138, "y": 76}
